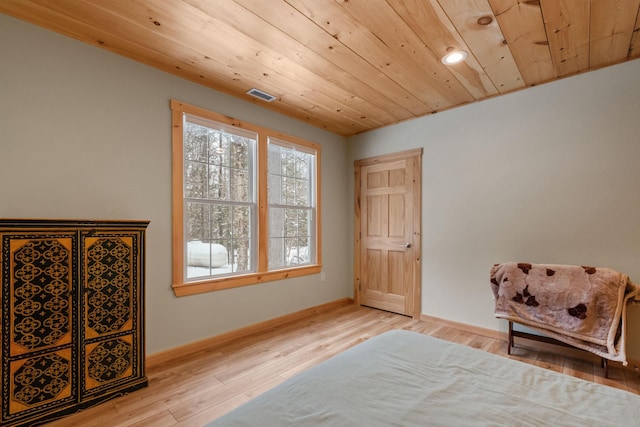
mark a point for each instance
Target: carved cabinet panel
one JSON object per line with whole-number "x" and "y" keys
{"x": 72, "y": 320}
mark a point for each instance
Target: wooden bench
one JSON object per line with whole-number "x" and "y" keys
{"x": 540, "y": 338}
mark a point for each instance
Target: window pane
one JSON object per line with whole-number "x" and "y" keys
{"x": 198, "y": 234}
{"x": 291, "y": 222}
{"x": 198, "y": 259}
{"x": 303, "y": 162}
{"x": 218, "y": 148}
{"x": 240, "y": 151}
{"x": 221, "y": 225}
{"x": 218, "y": 183}
{"x": 195, "y": 142}
{"x": 231, "y": 228}
{"x": 288, "y": 162}
{"x": 276, "y": 238}
{"x": 275, "y": 189}
{"x": 304, "y": 223}
{"x": 288, "y": 190}
{"x": 276, "y": 253}
{"x": 241, "y": 260}
{"x": 195, "y": 180}
{"x": 241, "y": 227}
{"x": 198, "y": 224}
{"x": 291, "y": 177}
{"x": 298, "y": 252}
{"x": 292, "y": 251}
{"x": 276, "y": 222}
{"x": 274, "y": 159}
{"x": 219, "y": 170}
{"x": 302, "y": 193}
{"x": 289, "y": 237}
{"x": 240, "y": 185}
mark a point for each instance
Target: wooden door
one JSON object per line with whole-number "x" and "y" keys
{"x": 387, "y": 240}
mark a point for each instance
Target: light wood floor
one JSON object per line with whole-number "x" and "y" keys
{"x": 201, "y": 387}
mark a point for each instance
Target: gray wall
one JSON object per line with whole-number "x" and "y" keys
{"x": 87, "y": 134}
{"x": 550, "y": 174}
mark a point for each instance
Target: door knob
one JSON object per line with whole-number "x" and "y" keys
{"x": 407, "y": 245}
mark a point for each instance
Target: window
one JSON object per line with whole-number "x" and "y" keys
{"x": 245, "y": 203}
{"x": 219, "y": 198}
{"x": 291, "y": 208}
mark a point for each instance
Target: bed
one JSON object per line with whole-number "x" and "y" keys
{"x": 403, "y": 378}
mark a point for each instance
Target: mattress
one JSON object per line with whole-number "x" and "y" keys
{"x": 403, "y": 378}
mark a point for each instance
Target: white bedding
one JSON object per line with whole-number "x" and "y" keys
{"x": 403, "y": 378}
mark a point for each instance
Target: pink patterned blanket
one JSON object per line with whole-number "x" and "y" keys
{"x": 581, "y": 306}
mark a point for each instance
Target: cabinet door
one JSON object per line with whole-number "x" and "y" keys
{"x": 111, "y": 315}
{"x": 38, "y": 330}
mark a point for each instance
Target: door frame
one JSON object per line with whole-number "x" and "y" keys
{"x": 416, "y": 160}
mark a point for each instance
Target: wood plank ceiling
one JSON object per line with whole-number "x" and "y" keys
{"x": 349, "y": 66}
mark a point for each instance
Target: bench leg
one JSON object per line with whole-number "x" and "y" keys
{"x": 510, "y": 342}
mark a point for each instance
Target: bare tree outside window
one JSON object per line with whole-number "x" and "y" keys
{"x": 246, "y": 202}
{"x": 220, "y": 200}
{"x": 291, "y": 212}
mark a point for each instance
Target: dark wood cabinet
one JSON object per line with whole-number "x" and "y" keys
{"x": 72, "y": 322}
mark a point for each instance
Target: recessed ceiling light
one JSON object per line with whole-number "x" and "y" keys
{"x": 454, "y": 57}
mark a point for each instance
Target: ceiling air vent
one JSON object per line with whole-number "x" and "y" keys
{"x": 260, "y": 94}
